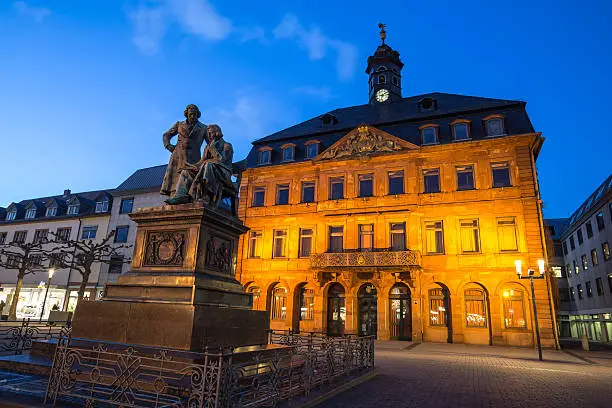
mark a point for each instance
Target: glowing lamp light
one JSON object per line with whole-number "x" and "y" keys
{"x": 541, "y": 266}
{"x": 518, "y": 265}
{"x": 51, "y": 272}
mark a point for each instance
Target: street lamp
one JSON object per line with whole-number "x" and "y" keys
{"x": 42, "y": 312}
{"x": 531, "y": 276}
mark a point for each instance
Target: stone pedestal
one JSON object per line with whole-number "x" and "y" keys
{"x": 181, "y": 292}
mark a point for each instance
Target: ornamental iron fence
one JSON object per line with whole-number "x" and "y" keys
{"x": 91, "y": 373}
{"x": 17, "y": 336}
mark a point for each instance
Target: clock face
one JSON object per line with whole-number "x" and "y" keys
{"x": 382, "y": 95}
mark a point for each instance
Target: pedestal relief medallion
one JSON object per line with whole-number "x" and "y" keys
{"x": 165, "y": 248}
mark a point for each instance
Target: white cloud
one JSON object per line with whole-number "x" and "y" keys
{"x": 317, "y": 44}
{"x": 38, "y": 14}
{"x": 322, "y": 93}
{"x": 255, "y": 33}
{"x": 149, "y": 28}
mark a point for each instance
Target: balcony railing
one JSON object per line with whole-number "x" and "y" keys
{"x": 378, "y": 257}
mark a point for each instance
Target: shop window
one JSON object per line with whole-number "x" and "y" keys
{"x": 255, "y": 244}
{"x": 282, "y": 194}
{"x": 398, "y": 236}
{"x": 396, "y": 182}
{"x": 475, "y": 308}
{"x": 366, "y": 188}
{"x": 438, "y": 307}
{"x": 431, "y": 181}
{"x": 305, "y": 242}
{"x": 308, "y": 191}
{"x": 259, "y": 197}
{"x": 465, "y": 178}
{"x": 336, "y": 188}
{"x": 514, "y": 309}
{"x": 306, "y": 304}
{"x": 280, "y": 244}
{"x": 279, "y": 303}
{"x": 366, "y": 237}
{"x": 336, "y": 239}
{"x": 506, "y": 234}
{"x": 470, "y": 236}
{"x": 501, "y": 174}
{"x": 434, "y": 237}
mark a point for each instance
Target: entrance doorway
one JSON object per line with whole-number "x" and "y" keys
{"x": 366, "y": 296}
{"x": 336, "y": 310}
{"x": 401, "y": 312}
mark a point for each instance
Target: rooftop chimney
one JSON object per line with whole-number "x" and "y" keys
{"x": 66, "y": 193}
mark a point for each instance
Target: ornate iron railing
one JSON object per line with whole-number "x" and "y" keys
{"x": 17, "y": 336}
{"x": 375, "y": 258}
{"x": 93, "y": 373}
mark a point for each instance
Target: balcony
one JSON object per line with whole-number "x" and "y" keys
{"x": 376, "y": 258}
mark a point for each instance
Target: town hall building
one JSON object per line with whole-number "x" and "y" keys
{"x": 402, "y": 218}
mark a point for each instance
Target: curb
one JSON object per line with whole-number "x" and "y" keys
{"x": 586, "y": 360}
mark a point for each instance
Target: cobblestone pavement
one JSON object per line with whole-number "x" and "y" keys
{"x": 447, "y": 375}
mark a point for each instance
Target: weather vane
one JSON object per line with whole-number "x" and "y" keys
{"x": 383, "y": 33}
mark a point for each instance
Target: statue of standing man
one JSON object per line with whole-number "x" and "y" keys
{"x": 186, "y": 152}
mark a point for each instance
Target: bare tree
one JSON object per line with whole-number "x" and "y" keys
{"x": 25, "y": 258}
{"x": 81, "y": 255}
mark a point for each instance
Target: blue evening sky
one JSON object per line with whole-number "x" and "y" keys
{"x": 88, "y": 87}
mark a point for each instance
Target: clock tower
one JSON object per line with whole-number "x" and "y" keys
{"x": 384, "y": 71}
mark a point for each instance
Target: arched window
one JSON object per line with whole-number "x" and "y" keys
{"x": 514, "y": 309}
{"x": 438, "y": 307}
{"x": 429, "y": 135}
{"x": 382, "y": 79}
{"x": 279, "y": 303}
{"x": 306, "y": 303}
{"x": 461, "y": 131}
{"x": 381, "y": 68}
{"x": 495, "y": 127}
{"x": 256, "y": 293}
{"x": 475, "y": 308}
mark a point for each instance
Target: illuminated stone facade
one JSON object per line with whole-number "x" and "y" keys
{"x": 414, "y": 224}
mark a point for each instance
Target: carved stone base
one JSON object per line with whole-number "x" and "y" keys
{"x": 181, "y": 292}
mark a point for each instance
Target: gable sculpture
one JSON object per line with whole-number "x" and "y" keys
{"x": 364, "y": 141}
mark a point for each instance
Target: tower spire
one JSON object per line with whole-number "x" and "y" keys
{"x": 383, "y": 33}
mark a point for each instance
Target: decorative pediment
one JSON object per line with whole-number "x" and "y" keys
{"x": 364, "y": 141}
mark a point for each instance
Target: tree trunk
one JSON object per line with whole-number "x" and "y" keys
{"x": 85, "y": 279}
{"x": 13, "y": 311}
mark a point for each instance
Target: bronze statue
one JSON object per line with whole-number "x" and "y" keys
{"x": 210, "y": 179}
{"x": 191, "y": 134}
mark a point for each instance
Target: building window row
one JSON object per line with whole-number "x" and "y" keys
{"x": 311, "y": 150}
{"x": 605, "y": 250}
{"x": 395, "y": 179}
{"x": 601, "y": 225}
{"x": 461, "y": 130}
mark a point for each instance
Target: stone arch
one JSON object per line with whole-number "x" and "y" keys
{"x": 254, "y": 289}
{"x": 303, "y": 304}
{"x": 476, "y": 313}
{"x": 439, "y": 308}
{"x": 276, "y": 303}
{"x": 335, "y": 308}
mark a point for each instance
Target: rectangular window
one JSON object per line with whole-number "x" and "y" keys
{"x": 610, "y": 282}
{"x": 470, "y": 236}
{"x": 306, "y": 304}
{"x": 102, "y": 206}
{"x": 264, "y": 157}
{"x": 589, "y": 290}
{"x": 495, "y": 127}
{"x": 63, "y": 234}
{"x": 73, "y": 209}
{"x": 429, "y": 135}
{"x": 11, "y": 215}
{"x": 431, "y": 181}
{"x": 396, "y": 182}
{"x": 31, "y": 213}
{"x": 605, "y": 249}
{"x": 434, "y": 237}
{"x": 572, "y": 243}
{"x": 336, "y": 239}
{"x": 282, "y": 194}
{"x": 35, "y": 261}
{"x": 461, "y": 132}
{"x": 116, "y": 264}
{"x": 312, "y": 150}
{"x": 51, "y": 212}
{"x": 126, "y": 205}
{"x": 280, "y": 244}
{"x": 40, "y": 235}
{"x": 589, "y": 229}
{"x": 255, "y": 244}
{"x": 308, "y": 191}
{"x": 20, "y": 236}
{"x": 585, "y": 264}
{"x": 57, "y": 261}
{"x": 121, "y": 233}
{"x": 580, "y": 237}
{"x": 2, "y": 237}
{"x": 572, "y": 294}
{"x": 506, "y": 234}
{"x": 305, "y": 242}
{"x": 366, "y": 237}
{"x": 336, "y": 188}
{"x": 564, "y": 248}
{"x": 12, "y": 261}
{"x": 501, "y": 174}
{"x": 599, "y": 286}
{"x": 600, "y": 221}
{"x": 259, "y": 197}
{"x": 366, "y": 188}
{"x": 465, "y": 178}
{"x": 580, "y": 293}
{"x": 398, "y": 236}
{"x": 288, "y": 153}
{"x": 568, "y": 269}
{"x": 576, "y": 267}
{"x": 594, "y": 259}
{"x": 89, "y": 232}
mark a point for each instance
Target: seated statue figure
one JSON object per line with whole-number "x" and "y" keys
{"x": 211, "y": 176}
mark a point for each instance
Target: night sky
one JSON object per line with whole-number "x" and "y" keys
{"x": 88, "y": 87}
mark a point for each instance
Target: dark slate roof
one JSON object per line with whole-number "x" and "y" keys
{"x": 86, "y": 199}
{"x": 402, "y": 119}
{"x": 593, "y": 202}
{"x": 150, "y": 177}
{"x": 558, "y": 225}
{"x": 2, "y": 213}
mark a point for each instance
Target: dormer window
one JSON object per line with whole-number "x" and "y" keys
{"x": 30, "y": 214}
{"x": 461, "y": 130}
{"x": 11, "y": 215}
{"x": 51, "y": 212}
{"x": 102, "y": 206}
{"x": 288, "y": 152}
{"x": 73, "y": 209}
{"x": 428, "y": 104}
{"x": 429, "y": 135}
{"x": 328, "y": 119}
{"x": 264, "y": 156}
{"x": 494, "y": 126}
{"x": 312, "y": 149}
